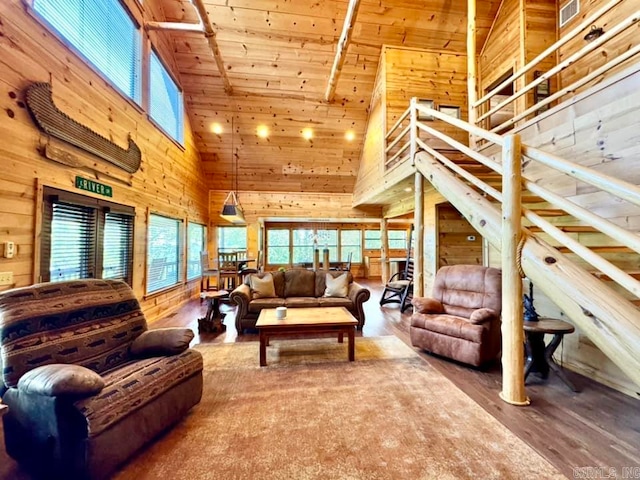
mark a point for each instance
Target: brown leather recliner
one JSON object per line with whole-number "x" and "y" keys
{"x": 462, "y": 320}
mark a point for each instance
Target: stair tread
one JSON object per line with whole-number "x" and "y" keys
{"x": 568, "y": 229}
{"x": 600, "y": 249}
{"x": 606, "y": 278}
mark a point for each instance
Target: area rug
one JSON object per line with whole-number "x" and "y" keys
{"x": 312, "y": 414}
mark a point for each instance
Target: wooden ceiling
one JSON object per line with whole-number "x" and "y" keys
{"x": 278, "y": 57}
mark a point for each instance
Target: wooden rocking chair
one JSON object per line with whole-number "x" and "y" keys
{"x": 399, "y": 288}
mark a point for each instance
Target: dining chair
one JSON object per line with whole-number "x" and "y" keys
{"x": 207, "y": 272}
{"x": 228, "y": 268}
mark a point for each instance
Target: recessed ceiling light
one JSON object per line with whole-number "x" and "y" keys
{"x": 262, "y": 131}
{"x": 216, "y": 128}
{"x": 408, "y": 189}
{"x": 307, "y": 133}
{"x": 350, "y": 135}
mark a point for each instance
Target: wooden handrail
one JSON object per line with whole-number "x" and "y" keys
{"x": 570, "y": 89}
{"x": 619, "y": 188}
{"x": 556, "y": 46}
{"x": 615, "y": 30}
{"x": 398, "y": 138}
{"x": 472, "y": 129}
{"x": 402, "y": 118}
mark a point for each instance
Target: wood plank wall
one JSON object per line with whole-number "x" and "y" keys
{"x": 311, "y": 207}
{"x": 454, "y": 233}
{"x": 169, "y": 181}
{"x": 611, "y": 49}
{"x": 599, "y": 129}
{"x": 404, "y": 73}
{"x": 521, "y": 31}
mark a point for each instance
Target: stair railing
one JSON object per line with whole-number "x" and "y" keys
{"x": 483, "y": 112}
{"x": 603, "y": 314}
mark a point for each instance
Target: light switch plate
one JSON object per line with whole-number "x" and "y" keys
{"x": 6, "y": 278}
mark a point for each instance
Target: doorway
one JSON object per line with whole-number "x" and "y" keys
{"x": 458, "y": 242}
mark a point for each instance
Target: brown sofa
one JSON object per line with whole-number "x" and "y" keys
{"x": 86, "y": 383}
{"x": 462, "y": 319}
{"x": 294, "y": 289}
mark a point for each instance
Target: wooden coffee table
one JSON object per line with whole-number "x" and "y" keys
{"x": 306, "y": 321}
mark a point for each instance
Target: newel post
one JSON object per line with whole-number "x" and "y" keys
{"x": 418, "y": 247}
{"x": 512, "y": 312}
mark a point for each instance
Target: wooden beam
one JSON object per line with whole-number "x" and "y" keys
{"x": 341, "y": 51}
{"x": 512, "y": 312}
{"x": 179, "y": 26}
{"x": 472, "y": 75}
{"x": 418, "y": 248}
{"x": 210, "y": 34}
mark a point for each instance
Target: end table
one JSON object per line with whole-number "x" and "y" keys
{"x": 212, "y": 321}
{"x": 539, "y": 355}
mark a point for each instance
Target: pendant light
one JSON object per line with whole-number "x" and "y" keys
{"x": 231, "y": 210}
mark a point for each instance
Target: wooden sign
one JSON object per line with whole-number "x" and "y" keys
{"x": 94, "y": 187}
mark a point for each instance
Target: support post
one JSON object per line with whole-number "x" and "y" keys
{"x": 512, "y": 312}
{"x": 472, "y": 76}
{"x": 413, "y": 131}
{"x": 384, "y": 249}
{"x": 418, "y": 248}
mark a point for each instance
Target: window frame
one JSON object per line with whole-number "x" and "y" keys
{"x": 179, "y": 122}
{"x": 101, "y": 207}
{"x": 220, "y": 237}
{"x": 202, "y": 248}
{"x": 141, "y": 53}
{"x": 180, "y": 270}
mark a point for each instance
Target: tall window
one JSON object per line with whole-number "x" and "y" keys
{"x": 83, "y": 237}
{"x": 278, "y": 247}
{"x": 195, "y": 245}
{"x": 372, "y": 240}
{"x": 397, "y": 239}
{"x": 302, "y": 245}
{"x": 329, "y": 239}
{"x": 165, "y": 100}
{"x": 232, "y": 239}
{"x": 351, "y": 242}
{"x": 164, "y": 248}
{"x": 104, "y": 33}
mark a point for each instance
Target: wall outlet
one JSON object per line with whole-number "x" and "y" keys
{"x": 9, "y": 249}
{"x": 6, "y": 278}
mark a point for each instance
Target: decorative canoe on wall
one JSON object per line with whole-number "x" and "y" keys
{"x": 58, "y": 124}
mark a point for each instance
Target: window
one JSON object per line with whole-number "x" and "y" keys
{"x": 328, "y": 239}
{"x": 372, "y": 240}
{"x": 165, "y": 100}
{"x": 83, "y": 237}
{"x": 351, "y": 242}
{"x": 163, "y": 252}
{"x": 397, "y": 239}
{"x": 278, "y": 247}
{"x": 195, "y": 245}
{"x": 104, "y": 33}
{"x": 232, "y": 239}
{"x": 302, "y": 246}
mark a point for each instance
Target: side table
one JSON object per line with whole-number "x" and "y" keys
{"x": 212, "y": 321}
{"x": 539, "y": 355}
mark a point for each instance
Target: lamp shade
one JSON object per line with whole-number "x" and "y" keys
{"x": 231, "y": 210}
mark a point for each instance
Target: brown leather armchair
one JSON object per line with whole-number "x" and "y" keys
{"x": 462, "y": 319}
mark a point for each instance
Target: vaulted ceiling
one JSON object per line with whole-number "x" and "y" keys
{"x": 278, "y": 57}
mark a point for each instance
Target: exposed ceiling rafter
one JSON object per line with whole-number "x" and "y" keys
{"x": 210, "y": 34}
{"x": 178, "y": 26}
{"x": 341, "y": 51}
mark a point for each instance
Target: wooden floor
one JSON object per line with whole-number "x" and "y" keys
{"x": 598, "y": 427}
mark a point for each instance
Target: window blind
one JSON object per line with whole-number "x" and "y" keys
{"x": 163, "y": 253}
{"x": 117, "y": 261}
{"x": 351, "y": 242}
{"x": 165, "y": 100}
{"x": 104, "y": 33}
{"x": 73, "y": 242}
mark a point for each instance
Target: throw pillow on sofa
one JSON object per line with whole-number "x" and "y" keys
{"x": 337, "y": 287}
{"x": 262, "y": 287}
